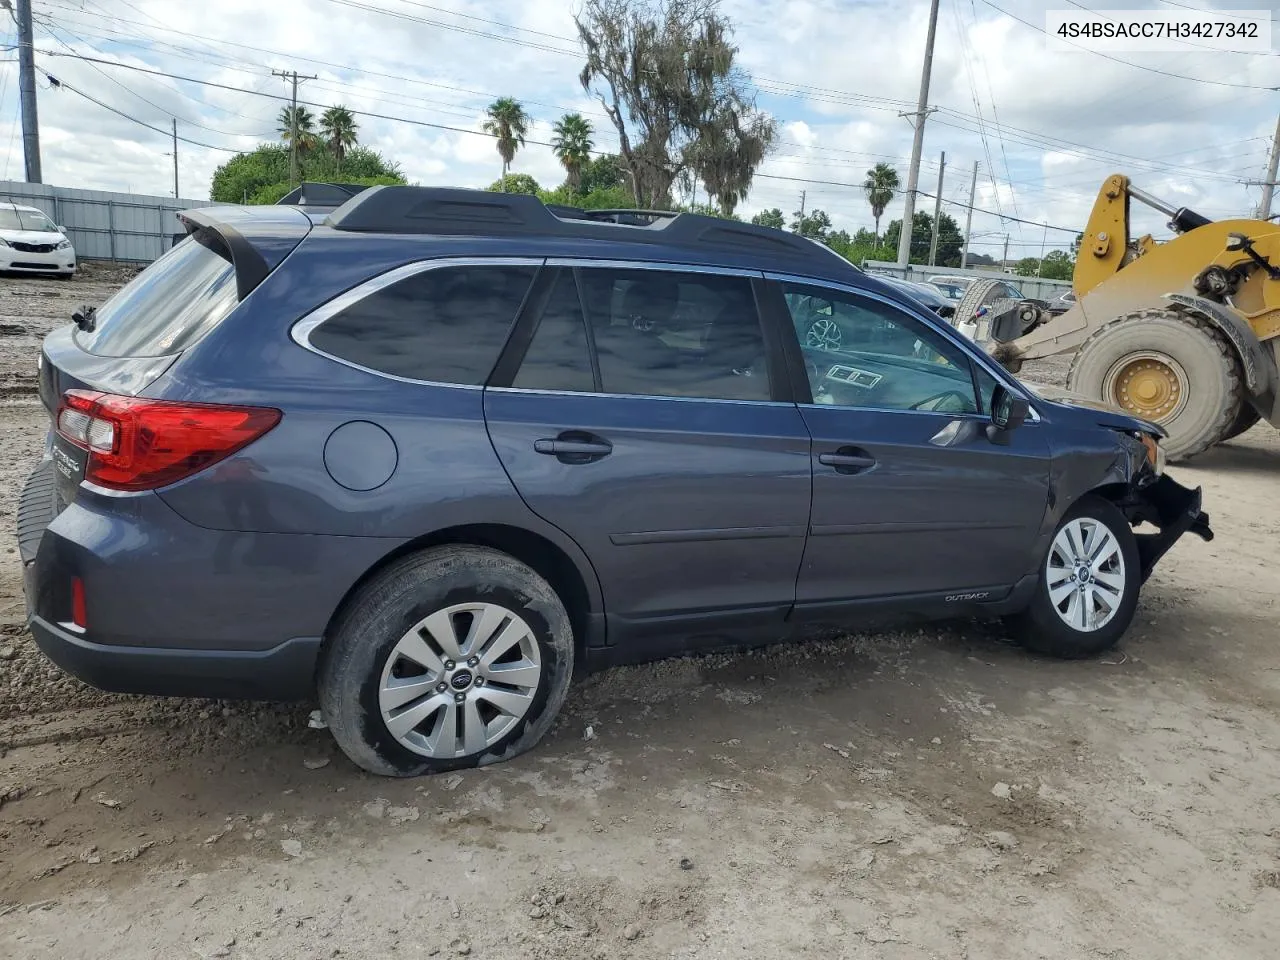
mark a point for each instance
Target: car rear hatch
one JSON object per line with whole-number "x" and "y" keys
{"x": 124, "y": 345}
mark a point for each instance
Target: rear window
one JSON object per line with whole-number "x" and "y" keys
{"x": 446, "y": 325}
{"x": 167, "y": 307}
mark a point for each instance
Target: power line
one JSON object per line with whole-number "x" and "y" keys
{"x": 931, "y": 196}
{"x": 1027, "y": 138}
{"x": 54, "y": 81}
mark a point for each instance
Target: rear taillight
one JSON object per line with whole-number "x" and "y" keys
{"x": 139, "y": 444}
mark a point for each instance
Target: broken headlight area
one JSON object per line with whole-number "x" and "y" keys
{"x": 1169, "y": 507}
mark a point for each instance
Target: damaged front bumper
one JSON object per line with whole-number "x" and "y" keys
{"x": 1173, "y": 510}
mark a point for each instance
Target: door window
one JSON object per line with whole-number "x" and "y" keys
{"x": 664, "y": 333}
{"x": 445, "y": 325}
{"x": 558, "y": 357}
{"x": 863, "y": 352}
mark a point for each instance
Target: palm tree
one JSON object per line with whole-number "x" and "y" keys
{"x": 571, "y": 142}
{"x": 881, "y": 182}
{"x": 338, "y": 127}
{"x": 301, "y": 120}
{"x": 507, "y": 123}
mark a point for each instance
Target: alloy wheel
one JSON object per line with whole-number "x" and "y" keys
{"x": 459, "y": 680}
{"x": 1085, "y": 574}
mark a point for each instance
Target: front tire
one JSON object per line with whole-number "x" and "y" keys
{"x": 454, "y": 657}
{"x": 1088, "y": 588}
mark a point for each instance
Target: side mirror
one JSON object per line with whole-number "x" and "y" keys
{"x": 1008, "y": 412}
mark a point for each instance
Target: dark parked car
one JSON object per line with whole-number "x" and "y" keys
{"x": 430, "y": 453}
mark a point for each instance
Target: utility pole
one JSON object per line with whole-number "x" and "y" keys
{"x": 968, "y": 220}
{"x": 913, "y": 174}
{"x": 1268, "y": 188}
{"x": 175, "y": 158}
{"x": 800, "y": 222}
{"x": 1005, "y": 259}
{"x": 27, "y": 92}
{"x": 937, "y": 212}
{"x": 292, "y": 75}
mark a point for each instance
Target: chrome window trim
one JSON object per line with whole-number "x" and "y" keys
{"x": 638, "y": 396}
{"x": 595, "y": 263}
{"x": 301, "y": 331}
{"x": 948, "y": 332}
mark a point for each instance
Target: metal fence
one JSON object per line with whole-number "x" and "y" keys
{"x": 106, "y": 226}
{"x": 1036, "y": 288}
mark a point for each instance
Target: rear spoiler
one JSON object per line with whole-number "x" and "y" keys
{"x": 253, "y": 239}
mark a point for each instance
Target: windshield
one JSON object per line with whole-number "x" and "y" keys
{"x": 167, "y": 307}
{"x": 14, "y": 219}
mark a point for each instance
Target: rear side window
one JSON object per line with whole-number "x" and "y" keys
{"x": 446, "y": 325}
{"x": 167, "y": 307}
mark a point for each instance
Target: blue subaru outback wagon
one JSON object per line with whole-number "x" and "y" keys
{"x": 423, "y": 454}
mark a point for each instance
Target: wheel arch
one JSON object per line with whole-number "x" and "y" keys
{"x": 579, "y": 590}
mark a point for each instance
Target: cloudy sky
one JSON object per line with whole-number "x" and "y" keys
{"x": 1046, "y": 127}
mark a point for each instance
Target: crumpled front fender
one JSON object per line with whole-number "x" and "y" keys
{"x": 1173, "y": 510}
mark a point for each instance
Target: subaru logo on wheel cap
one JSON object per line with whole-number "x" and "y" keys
{"x": 461, "y": 680}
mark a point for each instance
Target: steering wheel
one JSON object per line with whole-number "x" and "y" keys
{"x": 961, "y": 398}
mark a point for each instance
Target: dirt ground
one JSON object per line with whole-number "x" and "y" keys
{"x": 916, "y": 794}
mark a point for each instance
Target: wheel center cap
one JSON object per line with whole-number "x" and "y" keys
{"x": 461, "y": 680}
{"x": 1083, "y": 575}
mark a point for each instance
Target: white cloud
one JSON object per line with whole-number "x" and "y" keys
{"x": 836, "y": 75}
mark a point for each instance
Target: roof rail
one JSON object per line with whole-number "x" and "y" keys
{"x": 454, "y": 212}
{"x": 315, "y": 194}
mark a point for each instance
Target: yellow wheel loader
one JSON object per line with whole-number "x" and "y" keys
{"x": 1184, "y": 333}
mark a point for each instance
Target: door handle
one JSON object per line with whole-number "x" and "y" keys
{"x": 574, "y": 447}
{"x": 848, "y": 460}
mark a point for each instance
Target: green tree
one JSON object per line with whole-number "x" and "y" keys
{"x": 262, "y": 175}
{"x": 950, "y": 240}
{"x": 602, "y": 173}
{"x": 516, "y": 183}
{"x": 665, "y": 74}
{"x": 571, "y": 143}
{"x": 1056, "y": 265}
{"x": 339, "y": 129}
{"x": 299, "y": 122}
{"x": 770, "y": 218}
{"x": 244, "y": 174}
{"x": 880, "y": 185}
{"x": 1075, "y": 246}
{"x": 813, "y": 224}
{"x": 507, "y": 123}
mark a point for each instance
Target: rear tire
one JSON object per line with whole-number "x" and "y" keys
{"x": 1071, "y": 616}
{"x": 1203, "y": 402}
{"x": 455, "y": 657}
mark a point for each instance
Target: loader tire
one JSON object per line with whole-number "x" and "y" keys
{"x": 974, "y": 296}
{"x": 1244, "y": 421}
{"x": 1187, "y": 371}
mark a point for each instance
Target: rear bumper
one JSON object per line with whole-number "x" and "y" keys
{"x": 285, "y": 672}
{"x": 179, "y": 610}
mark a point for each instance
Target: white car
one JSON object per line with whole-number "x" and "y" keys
{"x": 31, "y": 243}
